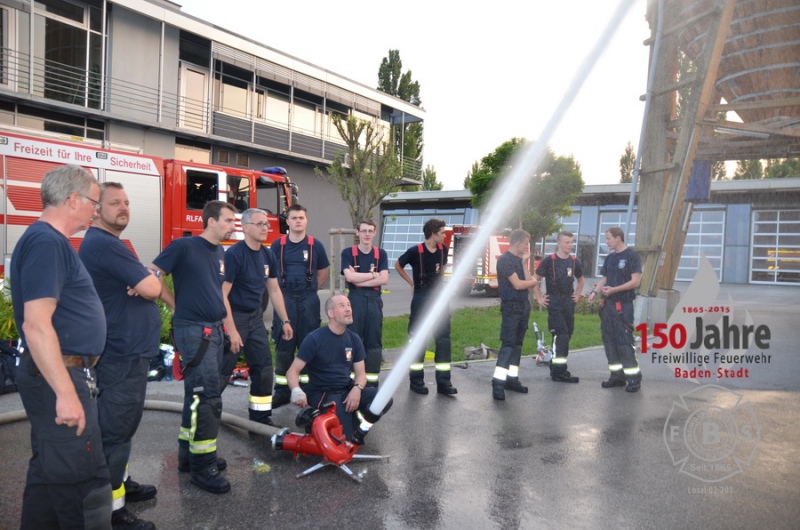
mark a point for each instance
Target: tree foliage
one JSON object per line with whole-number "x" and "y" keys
{"x": 782, "y": 168}
{"x": 627, "y": 163}
{"x": 429, "y": 180}
{"x": 366, "y": 172}
{"x": 748, "y": 170}
{"x": 407, "y": 139}
{"x": 550, "y": 191}
{"x": 468, "y": 178}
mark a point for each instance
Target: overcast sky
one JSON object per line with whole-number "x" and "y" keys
{"x": 487, "y": 74}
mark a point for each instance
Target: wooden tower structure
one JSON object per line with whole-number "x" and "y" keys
{"x": 741, "y": 100}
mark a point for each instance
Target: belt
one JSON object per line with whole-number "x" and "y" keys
{"x": 80, "y": 361}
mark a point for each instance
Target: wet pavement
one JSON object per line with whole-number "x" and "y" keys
{"x": 563, "y": 455}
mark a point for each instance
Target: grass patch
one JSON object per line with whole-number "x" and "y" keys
{"x": 471, "y": 326}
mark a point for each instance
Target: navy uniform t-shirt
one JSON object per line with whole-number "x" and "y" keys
{"x": 364, "y": 262}
{"x": 329, "y": 358}
{"x": 247, "y": 270}
{"x": 293, "y": 267}
{"x": 559, "y": 277}
{"x": 432, "y": 265}
{"x": 198, "y": 269}
{"x": 44, "y": 265}
{"x": 507, "y": 265}
{"x": 617, "y": 269}
{"x": 134, "y": 323}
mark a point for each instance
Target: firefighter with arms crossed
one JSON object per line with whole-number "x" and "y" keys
{"x": 366, "y": 268}
{"x": 128, "y": 291}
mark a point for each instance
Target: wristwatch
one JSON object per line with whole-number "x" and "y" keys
{"x": 359, "y": 386}
{"x": 284, "y": 322}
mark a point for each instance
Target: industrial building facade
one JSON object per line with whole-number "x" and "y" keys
{"x": 142, "y": 76}
{"x": 749, "y": 230}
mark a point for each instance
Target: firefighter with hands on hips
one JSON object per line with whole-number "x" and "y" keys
{"x": 514, "y": 282}
{"x": 621, "y": 275}
{"x": 197, "y": 268}
{"x": 366, "y": 268}
{"x": 302, "y": 269}
{"x": 427, "y": 261}
{"x": 329, "y": 355}
{"x": 560, "y": 271}
{"x": 63, "y": 330}
{"x": 127, "y": 290}
{"x": 250, "y": 272}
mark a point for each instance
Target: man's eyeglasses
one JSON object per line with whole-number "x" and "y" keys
{"x": 260, "y": 225}
{"x": 97, "y": 204}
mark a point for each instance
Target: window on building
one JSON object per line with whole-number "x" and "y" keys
{"x": 704, "y": 237}
{"x": 69, "y": 53}
{"x": 193, "y": 111}
{"x": 776, "y": 247}
{"x": 232, "y": 90}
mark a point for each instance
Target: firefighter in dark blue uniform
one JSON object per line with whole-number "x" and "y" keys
{"x": 250, "y": 273}
{"x": 427, "y": 261}
{"x": 134, "y": 332}
{"x": 366, "y": 268}
{"x": 302, "y": 269}
{"x": 559, "y": 271}
{"x": 514, "y": 281}
{"x": 330, "y": 355}
{"x": 622, "y": 274}
{"x": 63, "y": 331}
{"x": 197, "y": 268}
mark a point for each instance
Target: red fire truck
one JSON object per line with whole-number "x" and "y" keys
{"x": 167, "y": 196}
{"x": 483, "y": 277}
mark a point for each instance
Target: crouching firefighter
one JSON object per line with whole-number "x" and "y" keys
{"x": 197, "y": 266}
{"x": 329, "y": 355}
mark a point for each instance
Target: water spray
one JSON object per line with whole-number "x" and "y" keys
{"x": 506, "y": 197}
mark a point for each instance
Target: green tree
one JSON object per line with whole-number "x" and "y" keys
{"x": 782, "y": 168}
{"x": 719, "y": 171}
{"x": 468, "y": 178}
{"x": 366, "y": 172}
{"x": 429, "y": 180}
{"x": 627, "y": 163}
{"x": 550, "y": 192}
{"x": 407, "y": 139}
{"x": 748, "y": 170}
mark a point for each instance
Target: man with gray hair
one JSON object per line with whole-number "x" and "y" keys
{"x": 128, "y": 291}
{"x": 55, "y": 304}
{"x": 250, "y": 272}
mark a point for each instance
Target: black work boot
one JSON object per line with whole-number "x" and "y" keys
{"x": 633, "y": 385}
{"x": 498, "y": 392}
{"x": 135, "y": 492}
{"x": 513, "y": 384}
{"x": 122, "y": 519}
{"x": 418, "y": 386}
{"x": 282, "y": 396}
{"x": 564, "y": 377}
{"x": 211, "y": 481}
{"x": 183, "y": 460}
{"x": 447, "y": 389}
{"x": 615, "y": 380}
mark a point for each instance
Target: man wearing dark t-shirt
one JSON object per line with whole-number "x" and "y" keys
{"x": 560, "y": 272}
{"x": 197, "y": 268}
{"x": 329, "y": 355}
{"x": 55, "y": 306}
{"x": 622, "y": 274}
{"x": 514, "y": 282}
{"x": 302, "y": 270}
{"x": 250, "y": 272}
{"x": 427, "y": 261}
{"x": 127, "y": 290}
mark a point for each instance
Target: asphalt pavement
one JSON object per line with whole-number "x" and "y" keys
{"x": 561, "y": 456}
